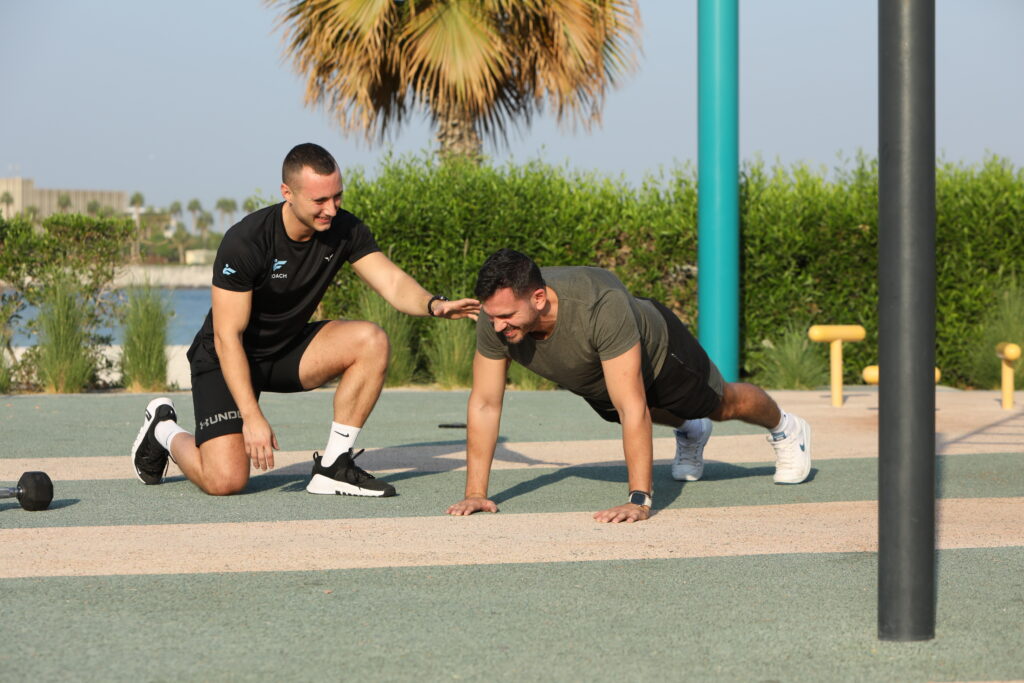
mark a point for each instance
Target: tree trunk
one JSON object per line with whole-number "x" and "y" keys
{"x": 457, "y": 137}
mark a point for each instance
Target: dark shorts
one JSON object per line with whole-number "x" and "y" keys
{"x": 689, "y": 385}
{"x": 215, "y": 409}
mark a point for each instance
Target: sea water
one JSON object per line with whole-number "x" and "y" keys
{"x": 187, "y": 307}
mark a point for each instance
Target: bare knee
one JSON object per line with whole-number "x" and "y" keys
{"x": 223, "y": 468}
{"x": 746, "y": 402}
{"x": 224, "y": 484}
{"x": 374, "y": 341}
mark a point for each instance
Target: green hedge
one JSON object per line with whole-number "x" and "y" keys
{"x": 810, "y": 239}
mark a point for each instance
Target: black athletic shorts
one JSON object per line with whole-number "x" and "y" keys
{"x": 215, "y": 409}
{"x": 689, "y": 385}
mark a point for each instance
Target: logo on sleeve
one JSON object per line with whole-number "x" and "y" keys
{"x": 278, "y": 264}
{"x": 228, "y": 270}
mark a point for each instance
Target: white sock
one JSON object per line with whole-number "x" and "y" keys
{"x": 166, "y": 430}
{"x": 342, "y": 438}
{"x": 781, "y": 427}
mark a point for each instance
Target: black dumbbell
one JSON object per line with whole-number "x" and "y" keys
{"x": 34, "y": 491}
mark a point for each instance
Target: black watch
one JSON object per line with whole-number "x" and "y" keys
{"x": 430, "y": 304}
{"x": 640, "y": 498}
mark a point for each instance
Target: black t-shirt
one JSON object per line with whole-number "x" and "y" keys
{"x": 287, "y": 278}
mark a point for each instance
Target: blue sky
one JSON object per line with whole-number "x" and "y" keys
{"x": 193, "y": 98}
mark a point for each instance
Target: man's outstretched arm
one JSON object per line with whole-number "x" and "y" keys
{"x": 403, "y": 292}
{"x": 483, "y": 418}
{"x": 624, "y": 377}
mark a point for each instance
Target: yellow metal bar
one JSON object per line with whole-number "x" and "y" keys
{"x": 835, "y": 357}
{"x": 1008, "y": 353}
{"x": 829, "y": 333}
{"x": 835, "y": 335}
{"x": 870, "y": 375}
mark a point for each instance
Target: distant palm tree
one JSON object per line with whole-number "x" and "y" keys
{"x": 477, "y": 66}
{"x": 226, "y": 207}
{"x": 137, "y": 202}
{"x": 7, "y": 199}
{"x": 93, "y": 207}
{"x": 174, "y": 211}
{"x": 250, "y": 204}
{"x": 195, "y": 208}
{"x": 181, "y": 239}
{"x": 203, "y": 224}
{"x": 63, "y": 202}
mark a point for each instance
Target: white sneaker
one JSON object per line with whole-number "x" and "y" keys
{"x": 689, "y": 462}
{"x": 792, "y": 451}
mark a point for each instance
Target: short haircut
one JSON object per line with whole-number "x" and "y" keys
{"x": 307, "y": 154}
{"x": 507, "y": 268}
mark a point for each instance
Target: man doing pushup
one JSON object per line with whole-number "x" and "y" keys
{"x": 632, "y": 360}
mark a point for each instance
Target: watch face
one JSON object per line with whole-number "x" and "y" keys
{"x": 638, "y": 498}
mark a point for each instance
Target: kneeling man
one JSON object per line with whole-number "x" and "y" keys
{"x": 271, "y": 272}
{"x": 630, "y": 358}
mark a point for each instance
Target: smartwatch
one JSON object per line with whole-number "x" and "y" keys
{"x": 640, "y": 498}
{"x": 430, "y": 304}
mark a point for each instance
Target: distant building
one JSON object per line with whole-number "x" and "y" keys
{"x": 26, "y": 194}
{"x": 200, "y": 257}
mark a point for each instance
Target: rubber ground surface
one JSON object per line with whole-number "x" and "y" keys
{"x": 733, "y": 578}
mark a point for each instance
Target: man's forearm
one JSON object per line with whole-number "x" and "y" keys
{"x": 638, "y": 447}
{"x": 409, "y": 296}
{"x": 235, "y": 366}
{"x": 481, "y": 436}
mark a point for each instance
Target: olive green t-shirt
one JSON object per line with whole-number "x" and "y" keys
{"x": 598, "y": 319}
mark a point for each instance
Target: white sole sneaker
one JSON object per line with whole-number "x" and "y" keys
{"x": 793, "y": 455}
{"x": 344, "y": 478}
{"x": 146, "y": 452}
{"x": 689, "y": 461}
{"x": 329, "y": 487}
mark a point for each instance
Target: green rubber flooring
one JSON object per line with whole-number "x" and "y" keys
{"x": 274, "y": 497}
{"x": 106, "y": 424}
{"x": 766, "y": 618}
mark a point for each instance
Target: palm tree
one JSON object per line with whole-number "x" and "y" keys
{"x": 7, "y": 199}
{"x": 477, "y": 66}
{"x": 63, "y": 202}
{"x": 226, "y": 207}
{"x": 137, "y": 202}
{"x": 203, "y": 224}
{"x": 180, "y": 239}
{"x": 174, "y": 211}
{"x": 195, "y": 208}
{"x": 250, "y": 204}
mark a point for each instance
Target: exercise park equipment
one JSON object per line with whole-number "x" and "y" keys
{"x": 1007, "y": 353}
{"x": 870, "y": 375}
{"x": 835, "y": 335}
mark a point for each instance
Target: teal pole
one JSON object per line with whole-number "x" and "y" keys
{"x": 718, "y": 224}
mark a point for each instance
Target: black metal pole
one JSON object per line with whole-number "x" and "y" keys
{"x": 906, "y": 319}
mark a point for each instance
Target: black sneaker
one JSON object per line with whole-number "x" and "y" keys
{"x": 344, "y": 478}
{"x": 149, "y": 458}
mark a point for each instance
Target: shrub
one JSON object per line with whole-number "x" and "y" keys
{"x": 401, "y": 330}
{"x": 521, "y": 378}
{"x": 65, "y": 361}
{"x": 67, "y": 253}
{"x": 1002, "y": 322}
{"x": 791, "y": 361}
{"x": 143, "y": 354}
{"x": 448, "y": 349}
